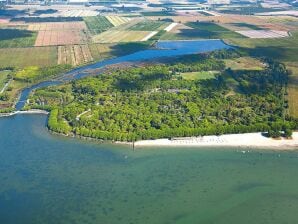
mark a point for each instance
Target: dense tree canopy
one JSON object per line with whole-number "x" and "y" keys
{"x": 156, "y": 102}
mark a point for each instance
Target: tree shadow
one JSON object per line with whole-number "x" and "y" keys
{"x": 7, "y": 34}
{"x": 47, "y": 11}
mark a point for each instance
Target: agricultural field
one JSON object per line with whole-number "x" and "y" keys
{"x": 53, "y": 34}
{"x": 31, "y": 56}
{"x": 57, "y": 26}
{"x": 97, "y": 24}
{"x": 79, "y": 13}
{"x": 148, "y": 25}
{"x": 117, "y": 20}
{"x": 116, "y": 36}
{"x": 10, "y": 38}
{"x": 101, "y": 51}
{"x": 259, "y": 34}
{"x": 200, "y": 30}
{"x": 74, "y": 55}
{"x": 239, "y": 26}
{"x": 245, "y": 63}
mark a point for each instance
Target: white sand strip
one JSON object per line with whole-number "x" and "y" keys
{"x": 234, "y": 140}
{"x": 170, "y": 27}
{"x": 152, "y": 34}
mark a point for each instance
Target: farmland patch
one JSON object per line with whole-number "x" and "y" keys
{"x": 53, "y": 34}
{"x": 116, "y": 36}
{"x": 118, "y": 20}
{"x": 97, "y": 24}
{"x": 16, "y": 38}
{"x": 147, "y": 25}
{"x": 21, "y": 57}
{"x": 74, "y": 54}
{"x": 256, "y": 34}
{"x": 244, "y": 63}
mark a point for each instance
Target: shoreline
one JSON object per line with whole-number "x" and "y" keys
{"x": 32, "y": 111}
{"x": 247, "y": 140}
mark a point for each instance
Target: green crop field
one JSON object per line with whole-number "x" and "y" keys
{"x": 207, "y": 30}
{"x": 147, "y": 25}
{"x": 31, "y": 56}
{"x": 16, "y": 38}
{"x": 97, "y": 24}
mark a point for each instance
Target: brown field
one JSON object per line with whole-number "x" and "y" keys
{"x": 74, "y": 54}
{"x": 55, "y": 38}
{"x": 55, "y": 34}
{"x": 31, "y": 56}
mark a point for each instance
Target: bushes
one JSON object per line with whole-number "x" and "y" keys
{"x": 34, "y": 73}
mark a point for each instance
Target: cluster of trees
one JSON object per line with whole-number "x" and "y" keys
{"x": 151, "y": 102}
{"x": 56, "y": 123}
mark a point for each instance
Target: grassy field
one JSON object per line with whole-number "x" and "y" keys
{"x": 199, "y": 75}
{"x": 31, "y": 56}
{"x": 97, "y": 24}
{"x": 201, "y": 30}
{"x": 283, "y": 49}
{"x": 246, "y": 25}
{"x": 147, "y": 25}
{"x": 117, "y": 20}
{"x": 16, "y": 38}
{"x": 116, "y": 36}
{"x": 244, "y": 63}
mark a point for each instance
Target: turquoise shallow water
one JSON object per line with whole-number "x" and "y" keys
{"x": 50, "y": 179}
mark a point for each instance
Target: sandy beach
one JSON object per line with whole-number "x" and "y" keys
{"x": 256, "y": 140}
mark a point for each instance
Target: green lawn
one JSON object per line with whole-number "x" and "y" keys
{"x": 16, "y": 38}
